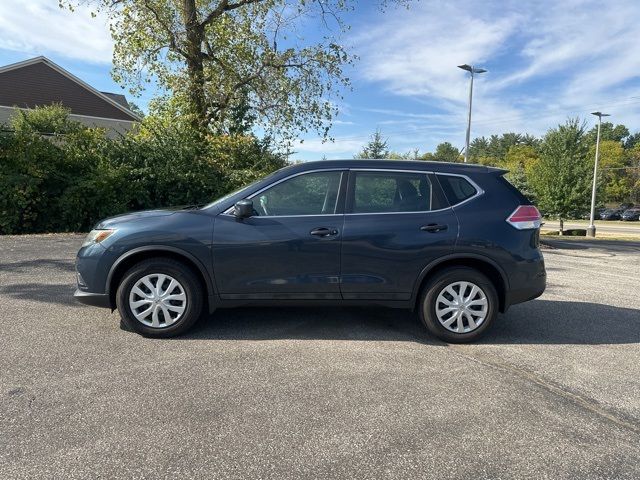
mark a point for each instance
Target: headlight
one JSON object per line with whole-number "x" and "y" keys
{"x": 97, "y": 236}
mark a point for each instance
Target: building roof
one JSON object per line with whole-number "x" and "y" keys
{"x": 118, "y": 98}
{"x": 39, "y": 82}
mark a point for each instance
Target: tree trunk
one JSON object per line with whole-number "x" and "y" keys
{"x": 195, "y": 65}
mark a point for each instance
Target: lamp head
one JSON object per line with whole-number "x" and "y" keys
{"x": 471, "y": 69}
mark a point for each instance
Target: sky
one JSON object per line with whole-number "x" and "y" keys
{"x": 546, "y": 61}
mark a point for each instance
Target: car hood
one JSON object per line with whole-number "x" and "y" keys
{"x": 141, "y": 215}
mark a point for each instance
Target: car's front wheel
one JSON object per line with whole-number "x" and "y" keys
{"x": 159, "y": 298}
{"x": 458, "y": 305}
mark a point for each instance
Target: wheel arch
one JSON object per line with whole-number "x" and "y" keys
{"x": 136, "y": 255}
{"x": 481, "y": 263}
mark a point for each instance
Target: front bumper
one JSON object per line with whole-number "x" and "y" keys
{"x": 94, "y": 299}
{"x": 92, "y": 267}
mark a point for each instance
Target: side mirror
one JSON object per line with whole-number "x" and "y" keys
{"x": 243, "y": 209}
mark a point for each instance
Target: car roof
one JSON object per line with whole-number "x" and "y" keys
{"x": 439, "y": 167}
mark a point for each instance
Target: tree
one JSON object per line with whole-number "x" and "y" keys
{"x": 633, "y": 173}
{"x": 612, "y": 181}
{"x": 488, "y": 160}
{"x": 608, "y": 132}
{"x": 445, "y": 152}
{"x": 241, "y": 118}
{"x": 212, "y": 55}
{"x": 493, "y": 151}
{"x": 478, "y": 147}
{"x": 136, "y": 109}
{"x": 631, "y": 141}
{"x": 520, "y": 161}
{"x": 561, "y": 179}
{"x": 376, "y": 148}
{"x": 413, "y": 154}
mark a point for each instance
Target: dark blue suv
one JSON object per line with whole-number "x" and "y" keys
{"x": 455, "y": 242}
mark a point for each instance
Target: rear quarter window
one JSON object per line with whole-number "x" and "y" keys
{"x": 513, "y": 189}
{"x": 456, "y": 189}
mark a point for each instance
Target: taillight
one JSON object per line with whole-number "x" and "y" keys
{"x": 525, "y": 217}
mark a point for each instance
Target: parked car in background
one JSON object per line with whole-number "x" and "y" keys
{"x": 596, "y": 214}
{"x": 611, "y": 214}
{"x": 625, "y": 206}
{"x": 457, "y": 243}
{"x": 631, "y": 214}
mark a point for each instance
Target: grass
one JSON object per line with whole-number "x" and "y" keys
{"x": 596, "y": 222}
{"x": 550, "y": 233}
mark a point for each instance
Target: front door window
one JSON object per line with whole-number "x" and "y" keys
{"x": 313, "y": 193}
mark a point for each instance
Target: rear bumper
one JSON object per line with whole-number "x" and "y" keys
{"x": 533, "y": 289}
{"x": 93, "y": 299}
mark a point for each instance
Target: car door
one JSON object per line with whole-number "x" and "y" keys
{"x": 396, "y": 223}
{"x": 290, "y": 247}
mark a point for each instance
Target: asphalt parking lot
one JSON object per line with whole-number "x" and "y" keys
{"x": 552, "y": 392}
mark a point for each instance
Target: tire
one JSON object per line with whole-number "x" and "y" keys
{"x": 172, "y": 312}
{"x": 448, "y": 283}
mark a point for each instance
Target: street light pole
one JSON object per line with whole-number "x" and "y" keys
{"x": 472, "y": 70}
{"x": 591, "y": 229}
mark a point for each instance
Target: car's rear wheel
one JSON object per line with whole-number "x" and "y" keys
{"x": 458, "y": 305}
{"x": 159, "y": 298}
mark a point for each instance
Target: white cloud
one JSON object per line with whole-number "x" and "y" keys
{"x": 400, "y": 113}
{"x": 579, "y": 34}
{"x": 40, "y": 27}
{"x": 416, "y": 52}
{"x": 547, "y": 60}
{"x": 342, "y": 122}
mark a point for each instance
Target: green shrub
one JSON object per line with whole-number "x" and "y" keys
{"x": 575, "y": 232}
{"x": 75, "y": 176}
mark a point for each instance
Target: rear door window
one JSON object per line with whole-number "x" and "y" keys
{"x": 388, "y": 192}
